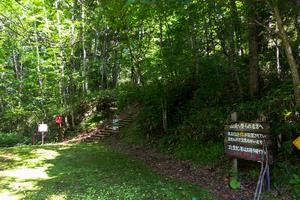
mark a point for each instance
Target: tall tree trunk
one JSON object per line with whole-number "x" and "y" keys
{"x": 194, "y": 44}
{"x": 253, "y": 48}
{"x": 116, "y": 69}
{"x": 72, "y": 58}
{"x": 278, "y": 66}
{"x": 297, "y": 25}
{"x": 233, "y": 52}
{"x": 61, "y": 55}
{"x": 38, "y": 69}
{"x": 289, "y": 54}
{"x": 236, "y": 27}
{"x": 164, "y": 102}
{"x": 104, "y": 69}
{"x": 85, "y": 85}
{"x": 61, "y": 63}
{"x": 16, "y": 64}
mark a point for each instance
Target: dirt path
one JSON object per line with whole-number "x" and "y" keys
{"x": 215, "y": 180}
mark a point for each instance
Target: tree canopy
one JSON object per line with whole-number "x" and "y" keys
{"x": 180, "y": 60}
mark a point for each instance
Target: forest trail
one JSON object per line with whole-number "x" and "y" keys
{"x": 216, "y": 181}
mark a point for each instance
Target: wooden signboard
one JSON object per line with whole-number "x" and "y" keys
{"x": 247, "y": 140}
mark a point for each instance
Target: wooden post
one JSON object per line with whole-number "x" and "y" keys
{"x": 42, "y": 138}
{"x": 234, "y": 160}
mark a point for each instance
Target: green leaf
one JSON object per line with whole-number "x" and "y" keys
{"x": 235, "y": 184}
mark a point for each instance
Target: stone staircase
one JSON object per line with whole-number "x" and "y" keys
{"x": 110, "y": 129}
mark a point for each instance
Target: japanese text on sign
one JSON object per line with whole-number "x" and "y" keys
{"x": 247, "y": 140}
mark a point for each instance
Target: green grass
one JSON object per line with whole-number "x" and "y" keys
{"x": 206, "y": 154}
{"x": 84, "y": 171}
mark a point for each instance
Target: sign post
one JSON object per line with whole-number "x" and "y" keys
{"x": 58, "y": 120}
{"x": 43, "y": 128}
{"x": 116, "y": 123}
{"x": 249, "y": 141}
{"x": 234, "y": 160}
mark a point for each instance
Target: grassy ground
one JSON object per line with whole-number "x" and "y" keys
{"x": 84, "y": 171}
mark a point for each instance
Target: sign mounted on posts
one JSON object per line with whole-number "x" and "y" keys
{"x": 249, "y": 141}
{"x": 58, "y": 119}
{"x": 43, "y": 128}
{"x": 115, "y": 124}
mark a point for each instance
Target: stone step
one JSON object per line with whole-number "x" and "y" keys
{"x": 110, "y": 129}
{"x": 98, "y": 136}
{"x": 125, "y": 121}
{"x": 112, "y": 132}
{"x": 90, "y": 140}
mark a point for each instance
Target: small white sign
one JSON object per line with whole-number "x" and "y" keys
{"x": 115, "y": 124}
{"x": 43, "y": 128}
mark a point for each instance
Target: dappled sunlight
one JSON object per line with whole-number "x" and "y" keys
{"x": 8, "y": 196}
{"x": 26, "y": 173}
{"x": 82, "y": 171}
{"x": 15, "y": 180}
{"x": 57, "y": 197}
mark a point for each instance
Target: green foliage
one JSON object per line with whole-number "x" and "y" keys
{"x": 12, "y": 139}
{"x": 234, "y": 184}
{"x": 132, "y": 135}
{"x": 295, "y": 182}
{"x": 286, "y": 175}
{"x": 209, "y": 153}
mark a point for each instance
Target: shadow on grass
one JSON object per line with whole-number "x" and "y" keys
{"x": 91, "y": 171}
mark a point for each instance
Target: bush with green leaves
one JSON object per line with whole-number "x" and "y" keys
{"x": 12, "y": 139}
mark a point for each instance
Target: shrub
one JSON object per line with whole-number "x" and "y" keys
{"x": 11, "y": 139}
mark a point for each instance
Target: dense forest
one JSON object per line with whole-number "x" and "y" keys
{"x": 183, "y": 65}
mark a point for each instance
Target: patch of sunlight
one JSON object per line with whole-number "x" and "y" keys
{"x": 10, "y": 156}
{"x": 26, "y": 173}
{"x": 26, "y": 178}
{"x": 8, "y": 196}
{"x": 27, "y": 185}
{"x": 65, "y": 146}
{"x": 57, "y": 197}
{"x": 45, "y": 154}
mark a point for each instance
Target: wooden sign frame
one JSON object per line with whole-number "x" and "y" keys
{"x": 248, "y": 140}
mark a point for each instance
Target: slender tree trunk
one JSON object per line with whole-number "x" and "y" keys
{"x": 289, "y": 53}
{"x": 278, "y": 66}
{"x": 233, "y": 52}
{"x": 61, "y": 55}
{"x": 38, "y": 69}
{"x": 104, "y": 81}
{"x": 164, "y": 99}
{"x": 253, "y": 48}
{"x": 116, "y": 69}
{"x": 62, "y": 64}
{"x": 16, "y": 64}
{"x": 297, "y": 25}
{"x": 194, "y": 44}
{"x": 84, "y": 59}
{"x": 236, "y": 27}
